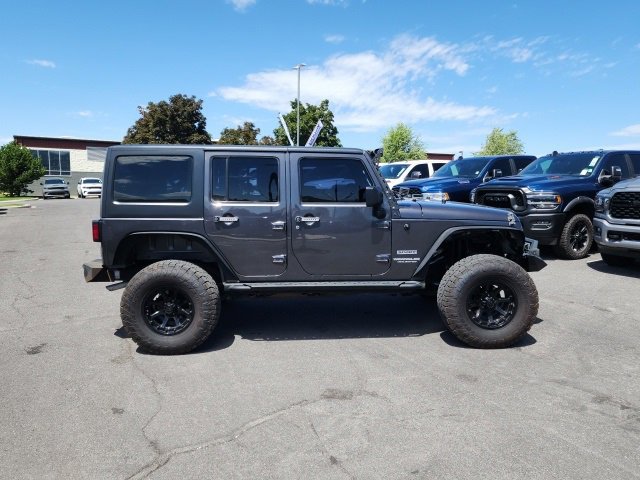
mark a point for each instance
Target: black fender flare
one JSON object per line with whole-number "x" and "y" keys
{"x": 581, "y": 200}
{"x": 225, "y": 270}
{"x": 453, "y": 230}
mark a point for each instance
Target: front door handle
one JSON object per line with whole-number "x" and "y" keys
{"x": 278, "y": 225}
{"x": 307, "y": 220}
{"x": 227, "y": 219}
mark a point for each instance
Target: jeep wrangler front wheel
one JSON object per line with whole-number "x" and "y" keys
{"x": 170, "y": 307}
{"x": 487, "y": 301}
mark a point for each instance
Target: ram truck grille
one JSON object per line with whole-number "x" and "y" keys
{"x": 625, "y": 205}
{"x": 512, "y": 199}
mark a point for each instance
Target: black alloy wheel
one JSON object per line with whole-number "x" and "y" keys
{"x": 167, "y": 310}
{"x": 491, "y": 304}
{"x": 579, "y": 237}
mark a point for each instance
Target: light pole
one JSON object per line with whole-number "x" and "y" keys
{"x": 298, "y": 67}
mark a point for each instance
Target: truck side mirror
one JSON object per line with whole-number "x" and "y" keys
{"x": 373, "y": 197}
{"x": 497, "y": 173}
{"x": 607, "y": 179}
{"x": 416, "y": 174}
{"x": 616, "y": 174}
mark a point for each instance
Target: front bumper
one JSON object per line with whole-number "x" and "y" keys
{"x": 56, "y": 193}
{"x": 544, "y": 227}
{"x": 623, "y": 240}
{"x": 531, "y": 258}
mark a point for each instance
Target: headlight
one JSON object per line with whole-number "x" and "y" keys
{"x": 544, "y": 201}
{"x": 436, "y": 196}
{"x": 602, "y": 203}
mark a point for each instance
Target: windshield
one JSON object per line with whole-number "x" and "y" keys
{"x": 393, "y": 170}
{"x": 580, "y": 164}
{"x": 53, "y": 181}
{"x": 464, "y": 168}
{"x": 92, "y": 180}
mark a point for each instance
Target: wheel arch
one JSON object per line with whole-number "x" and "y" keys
{"x": 139, "y": 249}
{"x": 457, "y": 243}
{"x": 584, "y": 205}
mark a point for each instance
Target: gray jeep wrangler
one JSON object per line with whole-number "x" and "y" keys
{"x": 182, "y": 226}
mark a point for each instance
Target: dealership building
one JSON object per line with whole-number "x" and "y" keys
{"x": 68, "y": 158}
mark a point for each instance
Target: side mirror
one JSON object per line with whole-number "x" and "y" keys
{"x": 607, "y": 179}
{"x": 373, "y": 197}
{"x": 416, "y": 174}
{"x": 497, "y": 173}
{"x": 616, "y": 174}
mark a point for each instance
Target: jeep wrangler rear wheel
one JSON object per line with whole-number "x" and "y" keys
{"x": 170, "y": 307}
{"x": 487, "y": 301}
{"x": 576, "y": 238}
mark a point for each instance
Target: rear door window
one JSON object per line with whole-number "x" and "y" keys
{"x": 245, "y": 179}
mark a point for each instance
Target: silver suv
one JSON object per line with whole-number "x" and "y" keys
{"x": 55, "y": 187}
{"x": 617, "y": 222}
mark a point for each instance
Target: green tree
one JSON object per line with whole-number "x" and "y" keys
{"x": 18, "y": 168}
{"x": 500, "y": 143}
{"x": 245, "y": 134}
{"x": 400, "y": 143}
{"x": 180, "y": 120}
{"x": 309, "y": 116}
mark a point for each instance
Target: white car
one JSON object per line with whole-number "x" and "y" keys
{"x": 89, "y": 186}
{"x": 398, "y": 172}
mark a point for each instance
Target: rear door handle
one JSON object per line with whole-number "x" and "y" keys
{"x": 278, "y": 225}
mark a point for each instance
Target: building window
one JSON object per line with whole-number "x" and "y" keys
{"x": 56, "y": 162}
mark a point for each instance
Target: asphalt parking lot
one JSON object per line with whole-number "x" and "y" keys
{"x": 366, "y": 386}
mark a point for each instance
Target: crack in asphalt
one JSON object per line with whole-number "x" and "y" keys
{"x": 163, "y": 458}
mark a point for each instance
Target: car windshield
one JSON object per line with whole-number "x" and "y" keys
{"x": 92, "y": 180}
{"x": 393, "y": 170}
{"x": 53, "y": 181}
{"x": 580, "y": 164}
{"x": 464, "y": 168}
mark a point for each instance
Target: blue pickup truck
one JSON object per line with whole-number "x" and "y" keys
{"x": 455, "y": 180}
{"x": 554, "y": 196}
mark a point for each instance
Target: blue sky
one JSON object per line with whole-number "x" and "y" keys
{"x": 564, "y": 74}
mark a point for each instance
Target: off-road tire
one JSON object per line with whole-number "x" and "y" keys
{"x": 193, "y": 283}
{"x": 615, "y": 260}
{"x": 575, "y": 227}
{"x": 461, "y": 282}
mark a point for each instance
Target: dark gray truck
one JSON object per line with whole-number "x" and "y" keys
{"x": 182, "y": 226}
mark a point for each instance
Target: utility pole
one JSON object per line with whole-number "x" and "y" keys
{"x": 298, "y": 67}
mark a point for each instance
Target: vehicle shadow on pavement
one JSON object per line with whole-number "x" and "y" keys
{"x": 451, "y": 340}
{"x": 297, "y": 317}
{"x": 631, "y": 270}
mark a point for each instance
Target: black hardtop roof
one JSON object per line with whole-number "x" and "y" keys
{"x": 241, "y": 148}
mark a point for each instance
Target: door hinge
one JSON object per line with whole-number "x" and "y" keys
{"x": 279, "y": 259}
{"x": 383, "y": 258}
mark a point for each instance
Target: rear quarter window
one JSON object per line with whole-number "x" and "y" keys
{"x": 153, "y": 178}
